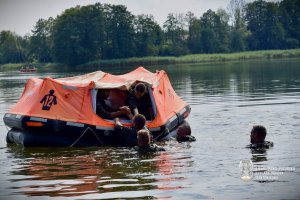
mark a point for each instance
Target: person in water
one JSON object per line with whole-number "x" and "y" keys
{"x": 257, "y": 138}
{"x": 106, "y": 111}
{"x": 184, "y": 133}
{"x": 144, "y": 142}
{"x": 127, "y": 136}
{"x": 139, "y": 102}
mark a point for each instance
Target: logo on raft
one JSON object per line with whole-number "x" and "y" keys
{"x": 48, "y": 100}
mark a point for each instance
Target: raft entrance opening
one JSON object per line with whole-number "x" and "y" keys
{"x": 110, "y": 100}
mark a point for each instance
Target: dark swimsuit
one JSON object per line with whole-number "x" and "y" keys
{"x": 187, "y": 138}
{"x": 265, "y": 145}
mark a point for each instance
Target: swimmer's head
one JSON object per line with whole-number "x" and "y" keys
{"x": 258, "y": 134}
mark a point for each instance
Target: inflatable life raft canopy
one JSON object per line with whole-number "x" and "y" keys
{"x": 71, "y": 99}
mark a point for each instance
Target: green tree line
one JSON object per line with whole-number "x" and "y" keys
{"x": 103, "y": 31}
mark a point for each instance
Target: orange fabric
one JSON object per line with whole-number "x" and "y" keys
{"x": 69, "y": 99}
{"x": 82, "y": 80}
{"x": 167, "y": 101}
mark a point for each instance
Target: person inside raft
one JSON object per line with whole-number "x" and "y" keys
{"x": 144, "y": 142}
{"x": 184, "y": 133}
{"x": 139, "y": 101}
{"x": 257, "y": 138}
{"x": 110, "y": 106}
{"x": 127, "y": 136}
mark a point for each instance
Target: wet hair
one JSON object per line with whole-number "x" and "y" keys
{"x": 261, "y": 132}
{"x": 184, "y": 130}
{"x": 140, "y": 87}
{"x": 143, "y": 138}
{"x": 139, "y": 121}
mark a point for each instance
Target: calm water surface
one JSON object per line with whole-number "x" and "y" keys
{"x": 226, "y": 100}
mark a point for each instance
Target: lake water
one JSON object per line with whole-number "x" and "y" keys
{"x": 226, "y": 100}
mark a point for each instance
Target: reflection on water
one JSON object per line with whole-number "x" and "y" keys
{"x": 94, "y": 172}
{"x": 259, "y": 155}
{"x": 226, "y": 99}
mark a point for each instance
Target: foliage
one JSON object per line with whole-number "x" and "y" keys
{"x": 263, "y": 23}
{"x": 78, "y": 34}
{"x": 119, "y": 31}
{"x": 40, "y": 41}
{"x": 289, "y": 17}
{"x": 12, "y": 48}
{"x": 84, "y": 34}
{"x": 148, "y": 36}
{"x": 175, "y": 36}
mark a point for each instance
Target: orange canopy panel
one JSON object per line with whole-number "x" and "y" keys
{"x": 70, "y": 98}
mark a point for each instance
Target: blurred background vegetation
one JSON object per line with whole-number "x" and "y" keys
{"x": 102, "y": 34}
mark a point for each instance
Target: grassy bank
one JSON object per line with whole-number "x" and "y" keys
{"x": 150, "y": 61}
{"x": 194, "y": 58}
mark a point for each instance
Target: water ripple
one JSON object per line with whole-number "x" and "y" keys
{"x": 226, "y": 102}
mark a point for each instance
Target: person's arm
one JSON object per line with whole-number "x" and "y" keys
{"x": 110, "y": 115}
{"x": 126, "y": 111}
{"x": 118, "y": 113}
{"x": 135, "y": 111}
{"x": 150, "y": 133}
{"x": 117, "y": 122}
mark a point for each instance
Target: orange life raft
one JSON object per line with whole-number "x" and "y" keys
{"x": 59, "y": 112}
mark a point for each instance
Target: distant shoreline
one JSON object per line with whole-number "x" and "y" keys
{"x": 151, "y": 61}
